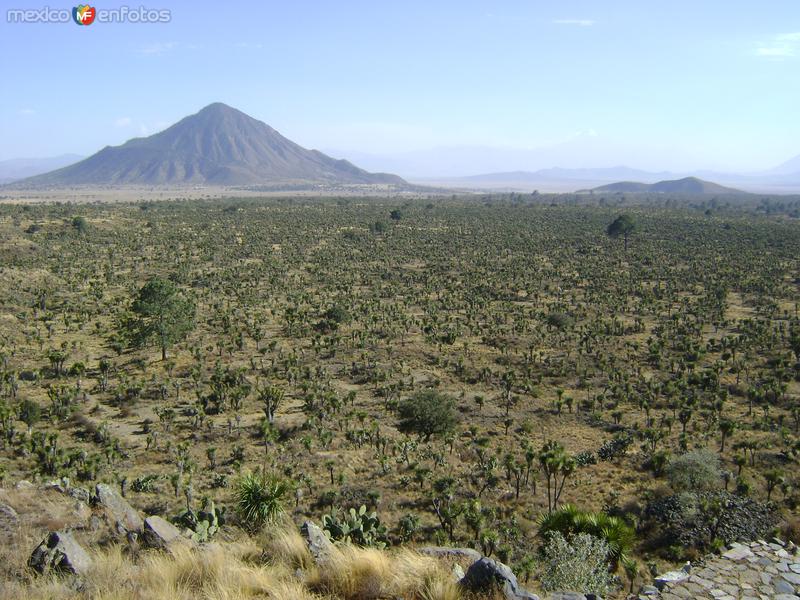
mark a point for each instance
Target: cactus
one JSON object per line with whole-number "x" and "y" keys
{"x": 356, "y": 527}
{"x": 204, "y": 524}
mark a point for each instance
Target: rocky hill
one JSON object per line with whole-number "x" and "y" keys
{"x": 217, "y": 146}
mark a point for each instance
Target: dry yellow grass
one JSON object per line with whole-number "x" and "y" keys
{"x": 367, "y": 573}
{"x": 241, "y": 571}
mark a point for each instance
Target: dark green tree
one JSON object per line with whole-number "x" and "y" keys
{"x": 427, "y": 413}
{"x": 29, "y": 413}
{"x": 623, "y": 226}
{"x": 161, "y": 315}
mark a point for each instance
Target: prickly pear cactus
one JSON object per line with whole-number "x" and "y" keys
{"x": 356, "y": 527}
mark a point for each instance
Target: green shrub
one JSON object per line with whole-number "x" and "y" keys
{"x": 427, "y": 413}
{"x": 571, "y": 521}
{"x": 695, "y": 471}
{"x": 579, "y": 563}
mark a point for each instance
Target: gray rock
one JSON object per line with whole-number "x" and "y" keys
{"x": 159, "y": 533}
{"x": 9, "y": 519}
{"x": 123, "y": 514}
{"x": 485, "y": 574}
{"x": 452, "y": 553}
{"x": 670, "y": 577}
{"x": 566, "y": 596}
{"x": 56, "y": 485}
{"x": 319, "y": 545}
{"x": 458, "y": 572}
{"x": 794, "y": 578}
{"x": 738, "y": 552}
{"x": 80, "y": 494}
{"x": 24, "y": 484}
{"x": 59, "y": 552}
{"x": 649, "y": 590}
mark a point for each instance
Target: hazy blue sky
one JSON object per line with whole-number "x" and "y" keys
{"x": 696, "y": 84}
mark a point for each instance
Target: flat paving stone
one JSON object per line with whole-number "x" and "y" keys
{"x": 756, "y": 571}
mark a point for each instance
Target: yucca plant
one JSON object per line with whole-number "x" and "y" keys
{"x": 570, "y": 520}
{"x": 259, "y": 499}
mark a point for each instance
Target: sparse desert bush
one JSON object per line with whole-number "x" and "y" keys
{"x": 579, "y": 563}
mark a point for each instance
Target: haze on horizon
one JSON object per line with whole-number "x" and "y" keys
{"x": 461, "y": 87}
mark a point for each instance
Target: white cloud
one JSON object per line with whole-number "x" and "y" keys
{"x": 27, "y": 111}
{"x": 122, "y": 122}
{"x": 250, "y": 45}
{"x": 157, "y": 48}
{"x": 782, "y": 45}
{"x": 579, "y": 22}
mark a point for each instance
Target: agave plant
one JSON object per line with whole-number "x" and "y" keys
{"x": 570, "y": 520}
{"x": 259, "y": 499}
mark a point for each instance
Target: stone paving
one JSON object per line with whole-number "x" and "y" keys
{"x": 755, "y": 571}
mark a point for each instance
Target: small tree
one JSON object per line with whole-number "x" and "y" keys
{"x": 623, "y": 226}
{"x": 271, "y": 398}
{"x": 695, "y": 471}
{"x": 161, "y": 315}
{"x": 29, "y": 413}
{"x": 427, "y": 413}
{"x": 555, "y": 462}
{"x": 80, "y": 224}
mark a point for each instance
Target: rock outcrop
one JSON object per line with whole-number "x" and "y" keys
{"x": 124, "y": 516}
{"x": 9, "y": 520}
{"x": 319, "y": 545}
{"x": 160, "y": 534}
{"x": 60, "y": 553}
{"x": 485, "y": 575}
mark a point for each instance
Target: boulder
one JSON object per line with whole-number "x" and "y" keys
{"x": 9, "y": 520}
{"x": 486, "y": 575}
{"x": 123, "y": 514}
{"x": 8, "y": 516}
{"x": 59, "y": 552}
{"x": 572, "y": 596}
{"x": 159, "y": 533}
{"x": 318, "y": 543}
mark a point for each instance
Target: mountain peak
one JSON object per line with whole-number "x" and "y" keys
{"x": 218, "y": 145}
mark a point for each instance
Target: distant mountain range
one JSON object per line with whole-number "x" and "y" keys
{"x": 687, "y": 185}
{"x": 222, "y": 146}
{"x": 217, "y": 146}
{"x": 782, "y": 179}
{"x": 20, "y": 168}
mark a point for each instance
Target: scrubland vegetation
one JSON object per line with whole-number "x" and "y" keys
{"x": 509, "y": 373}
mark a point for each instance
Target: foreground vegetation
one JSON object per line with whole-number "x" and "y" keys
{"x": 462, "y": 368}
